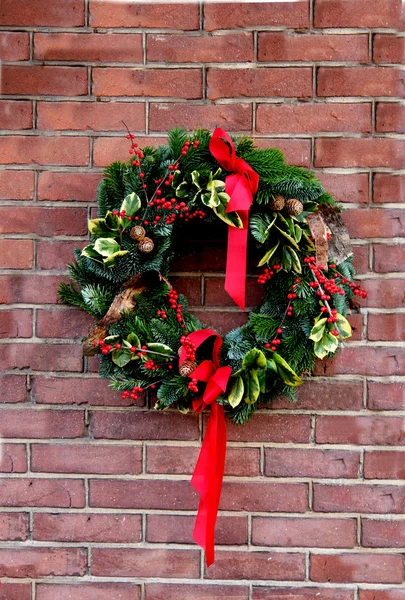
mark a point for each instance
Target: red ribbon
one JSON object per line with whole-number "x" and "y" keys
{"x": 241, "y": 186}
{"x": 209, "y": 471}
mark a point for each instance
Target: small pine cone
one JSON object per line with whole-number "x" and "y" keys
{"x": 277, "y": 203}
{"x": 187, "y": 368}
{"x": 146, "y": 245}
{"x": 294, "y": 207}
{"x": 137, "y": 233}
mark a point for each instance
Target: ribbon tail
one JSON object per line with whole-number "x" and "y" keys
{"x": 207, "y": 480}
{"x": 235, "y": 279}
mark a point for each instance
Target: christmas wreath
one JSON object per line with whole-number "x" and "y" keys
{"x": 145, "y": 334}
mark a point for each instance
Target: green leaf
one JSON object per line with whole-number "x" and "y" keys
{"x": 254, "y": 359}
{"x": 319, "y": 350}
{"x": 133, "y": 340}
{"x": 106, "y": 246}
{"x": 98, "y": 228}
{"x": 262, "y": 379}
{"x": 231, "y": 218}
{"x": 286, "y": 259}
{"x": 181, "y": 190}
{"x": 288, "y": 237}
{"x": 89, "y": 252}
{"x": 195, "y": 177}
{"x": 121, "y": 357}
{"x": 131, "y": 204}
{"x": 161, "y": 349}
{"x": 111, "y": 260}
{"x": 271, "y": 365}
{"x": 236, "y": 394}
{"x": 111, "y": 339}
{"x": 343, "y": 326}
{"x": 211, "y": 200}
{"x": 297, "y": 233}
{"x": 317, "y": 330}
{"x": 252, "y": 387}
{"x": 258, "y": 225}
{"x": 296, "y": 264}
{"x": 268, "y": 255}
{"x": 113, "y": 222}
{"x": 286, "y": 373}
{"x": 330, "y": 342}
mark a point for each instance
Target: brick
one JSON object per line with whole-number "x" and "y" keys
{"x": 55, "y": 255}
{"x": 347, "y": 187}
{"x": 78, "y": 390}
{"x": 390, "y": 117}
{"x": 34, "y": 80}
{"x": 41, "y": 562}
{"x": 88, "y": 591}
{"x": 388, "y": 187}
{"x": 16, "y": 185}
{"x": 386, "y": 327}
{"x": 26, "y": 150}
{"x": 291, "y": 82}
{"x": 367, "y": 152}
{"x": 144, "y": 426}
{"x": 47, "y": 13}
{"x": 233, "y": 117}
{"x": 13, "y": 388}
{"x": 87, "y": 528}
{"x": 14, "y": 46}
{"x": 13, "y": 458}
{"x": 376, "y": 222}
{"x": 305, "y": 533}
{"x": 264, "y": 497}
{"x": 361, "y": 256}
{"x": 15, "y": 114}
{"x": 297, "y": 152}
{"x": 80, "y": 187}
{"x": 109, "y": 149}
{"x": 176, "y": 529}
{"x": 15, "y": 323}
{"x": 272, "y": 428}
{"x": 302, "y": 593}
{"x": 33, "y": 289}
{"x": 59, "y": 458}
{"x": 145, "y": 562}
{"x": 16, "y": 254}
{"x": 142, "y": 493}
{"x": 283, "y": 462}
{"x": 15, "y": 591}
{"x": 388, "y": 258}
{"x": 359, "y": 498}
{"x": 360, "y": 81}
{"x": 362, "y": 13}
{"x": 306, "y": 118}
{"x": 257, "y": 565}
{"x": 396, "y": 594}
{"x": 84, "y": 116}
{"x": 41, "y": 357}
{"x": 384, "y": 465}
{"x": 289, "y": 46}
{"x": 93, "y": 47}
{"x": 385, "y": 396}
{"x": 382, "y": 533}
{"x": 223, "y": 15}
{"x": 172, "y": 591}
{"x": 144, "y": 15}
{"x": 326, "y": 395}
{"x": 58, "y": 493}
{"x": 221, "y": 320}
{"x": 182, "y": 83}
{"x": 240, "y": 462}
{"x": 388, "y": 293}
{"x": 364, "y": 360}
{"x": 385, "y": 431}
{"x": 388, "y": 48}
{"x": 229, "y": 47}
{"x": 64, "y": 323}
{"x": 43, "y": 221}
{"x": 14, "y": 527}
{"x": 38, "y": 424}
{"x": 347, "y": 568}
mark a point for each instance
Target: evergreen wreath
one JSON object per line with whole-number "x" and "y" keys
{"x": 146, "y": 335}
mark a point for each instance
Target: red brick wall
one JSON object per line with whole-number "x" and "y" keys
{"x": 96, "y": 495}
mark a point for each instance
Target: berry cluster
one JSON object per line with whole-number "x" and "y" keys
{"x": 139, "y": 352}
{"x": 173, "y": 297}
{"x": 187, "y": 145}
{"x": 150, "y": 365}
{"x": 267, "y": 274}
{"x": 134, "y": 395}
{"x": 275, "y": 341}
{"x": 189, "y": 347}
{"x": 193, "y": 385}
{"x": 105, "y": 348}
{"x": 356, "y": 289}
{"x": 162, "y": 314}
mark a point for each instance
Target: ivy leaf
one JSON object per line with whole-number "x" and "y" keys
{"x": 121, "y": 357}
{"x": 343, "y": 326}
{"x": 131, "y": 204}
{"x": 252, "y": 387}
{"x": 317, "y": 330}
{"x": 236, "y": 394}
{"x": 254, "y": 359}
{"x": 268, "y": 255}
{"x": 111, "y": 260}
{"x": 106, "y": 246}
{"x": 287, "y": 374}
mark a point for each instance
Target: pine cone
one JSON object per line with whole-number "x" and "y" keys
{"x": 294, "y": 207}
{"x": 137, "y": 233}
{"x": 187, "y": 368}
{"x": 146, "y": 245}
{"x": 277, "y": 203}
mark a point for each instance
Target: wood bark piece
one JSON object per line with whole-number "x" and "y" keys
{"x": 339, "y": 245}
{"x": 319, "y": 233}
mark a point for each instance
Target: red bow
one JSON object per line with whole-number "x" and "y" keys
{"x": 241, "y": 186}
{"x": 209, "y": 470}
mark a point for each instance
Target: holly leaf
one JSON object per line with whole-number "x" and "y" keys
{"x": 268, "y": 255}
{"x": 330, "y": 342}
{"x": 236, "y": 394}
{"x": 131, "y": 204}
{"x": 181, "y": 190}
{"x": 319, "y": 350}
{"x": 230, "y": 218}
{"x": 286, "y": 259}
{"x": 287, "y": 374}
{"x": 133, "y": 340}
{"x": 254, "y": 359}
{"x": 195, "y": 178}
{"x": 112, "y": 259}
{"x": 89, "y": 252}
{"x": 297, "y": 233}
{"x": 162, "y": 349}
{"x": 343, "y": 326}
{"x": 288, "y": 237}
{"x": 111, "y": 339}
{"x": 296, "y": 264}
{"x": 252, "y": 387}
{"x": 98, "y": 228}
{"x": 121, "y": 357}
{"x": 106, "y": 246}
{"x": 318, "y": 330}
{"x": 112, "y": 221}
